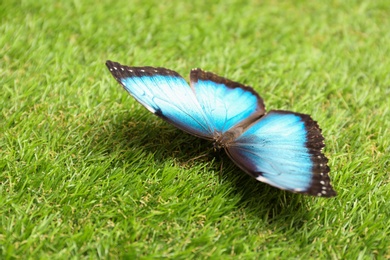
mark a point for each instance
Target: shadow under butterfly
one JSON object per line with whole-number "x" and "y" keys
{"x": 281, "y": 148}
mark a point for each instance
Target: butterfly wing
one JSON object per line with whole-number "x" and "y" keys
{"x": 283, "y": 149}
{"x": 225, "y": 103}
{"x": 165, "y": 93}
{"x": 208, "y": 108}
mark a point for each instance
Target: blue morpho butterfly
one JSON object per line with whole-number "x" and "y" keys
{"x": 281, "y": 148}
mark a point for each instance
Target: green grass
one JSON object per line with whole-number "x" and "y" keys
{"x": 86, "y": 172}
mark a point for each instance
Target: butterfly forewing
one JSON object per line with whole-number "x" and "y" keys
{"x": 165, "y": 93}
{"x": 210, "y": 107}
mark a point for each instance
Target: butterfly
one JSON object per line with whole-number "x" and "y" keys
{"x": 280, "y": 148}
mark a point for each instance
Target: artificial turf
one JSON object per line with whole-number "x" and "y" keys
{"x": 87, "y": 172}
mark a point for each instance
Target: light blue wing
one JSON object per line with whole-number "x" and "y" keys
{"x": 283, "y": 149}
{"x": 165, "y": 93}
{"x": 224, "y": 102}
{"x": 208, "y": 108}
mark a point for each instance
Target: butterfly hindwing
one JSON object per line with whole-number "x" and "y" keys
{"x": 283, "y": 149}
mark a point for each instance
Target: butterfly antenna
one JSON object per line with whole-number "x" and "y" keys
{"x": 196, "y": 158}
{"x": 220, "y": 172}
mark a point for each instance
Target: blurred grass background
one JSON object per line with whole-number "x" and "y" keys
{"x": 86, "y": 172}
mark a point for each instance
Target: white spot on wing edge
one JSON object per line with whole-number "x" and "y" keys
{"x": 265, "y": 180}
{"x": 151, "y": 109}
{"x": 262, "y": 179}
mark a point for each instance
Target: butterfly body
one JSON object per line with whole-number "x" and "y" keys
{"x": 281, "y": 148}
